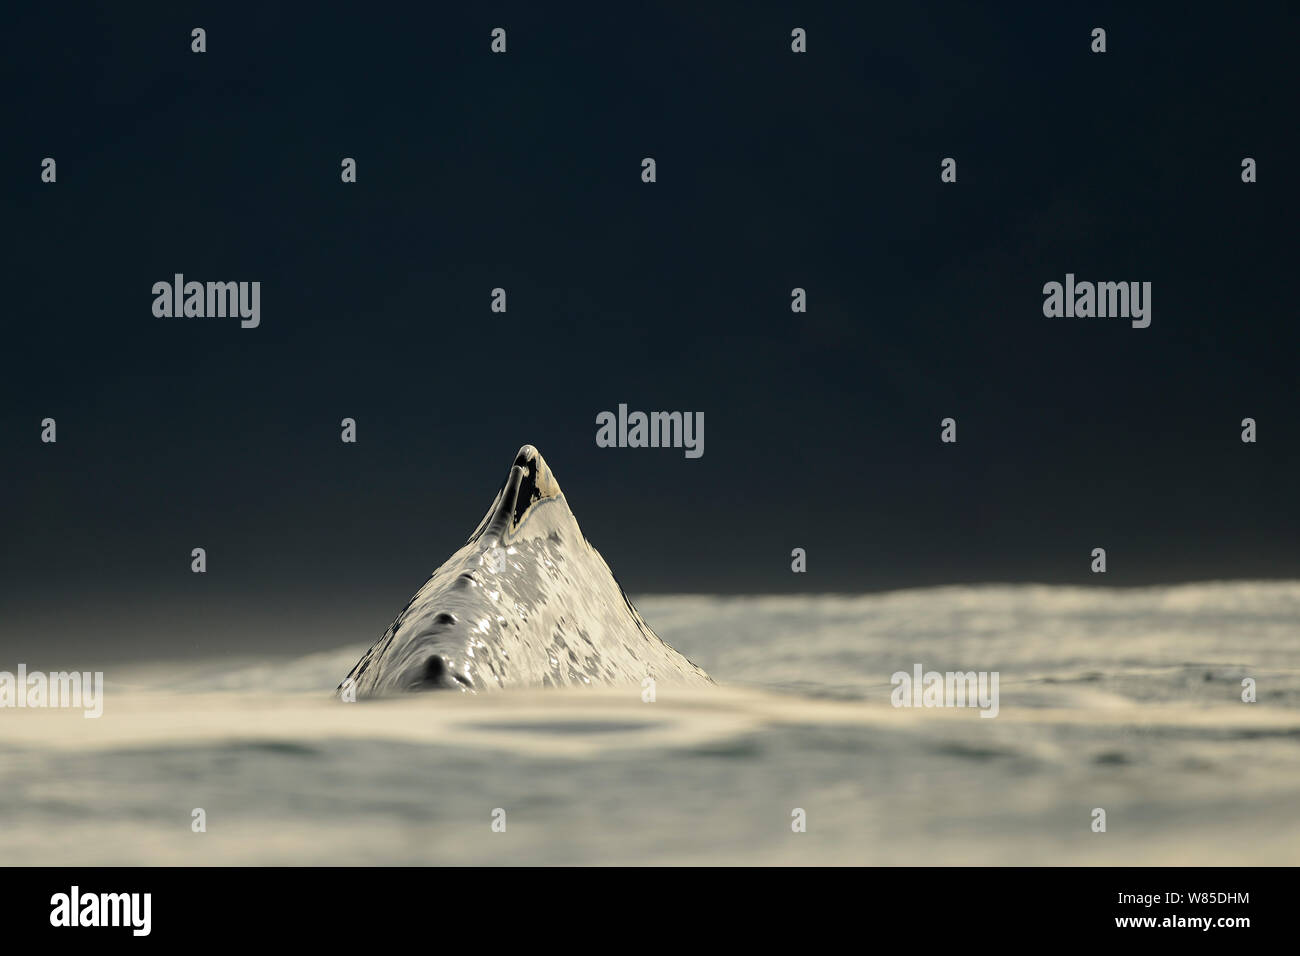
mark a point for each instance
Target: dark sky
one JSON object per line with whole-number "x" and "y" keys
{"x": 522, "y": 171}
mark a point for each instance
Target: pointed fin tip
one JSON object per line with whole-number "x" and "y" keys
{"x": 536, "y": 472}
{"x": 530, "y": 480}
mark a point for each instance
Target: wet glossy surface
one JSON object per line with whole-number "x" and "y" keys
{"x": 527, "y": 602}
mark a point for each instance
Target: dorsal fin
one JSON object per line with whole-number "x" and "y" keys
{"x": 530, "y": 481}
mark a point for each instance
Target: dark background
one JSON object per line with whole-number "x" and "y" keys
{"x": 775, "y": 170}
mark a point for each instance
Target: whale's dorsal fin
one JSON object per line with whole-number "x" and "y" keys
{"x": 551, "y": 613}
{"x": 529, "y": 482}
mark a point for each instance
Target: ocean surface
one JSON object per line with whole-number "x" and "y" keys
{"x": 1123, "y": 700}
